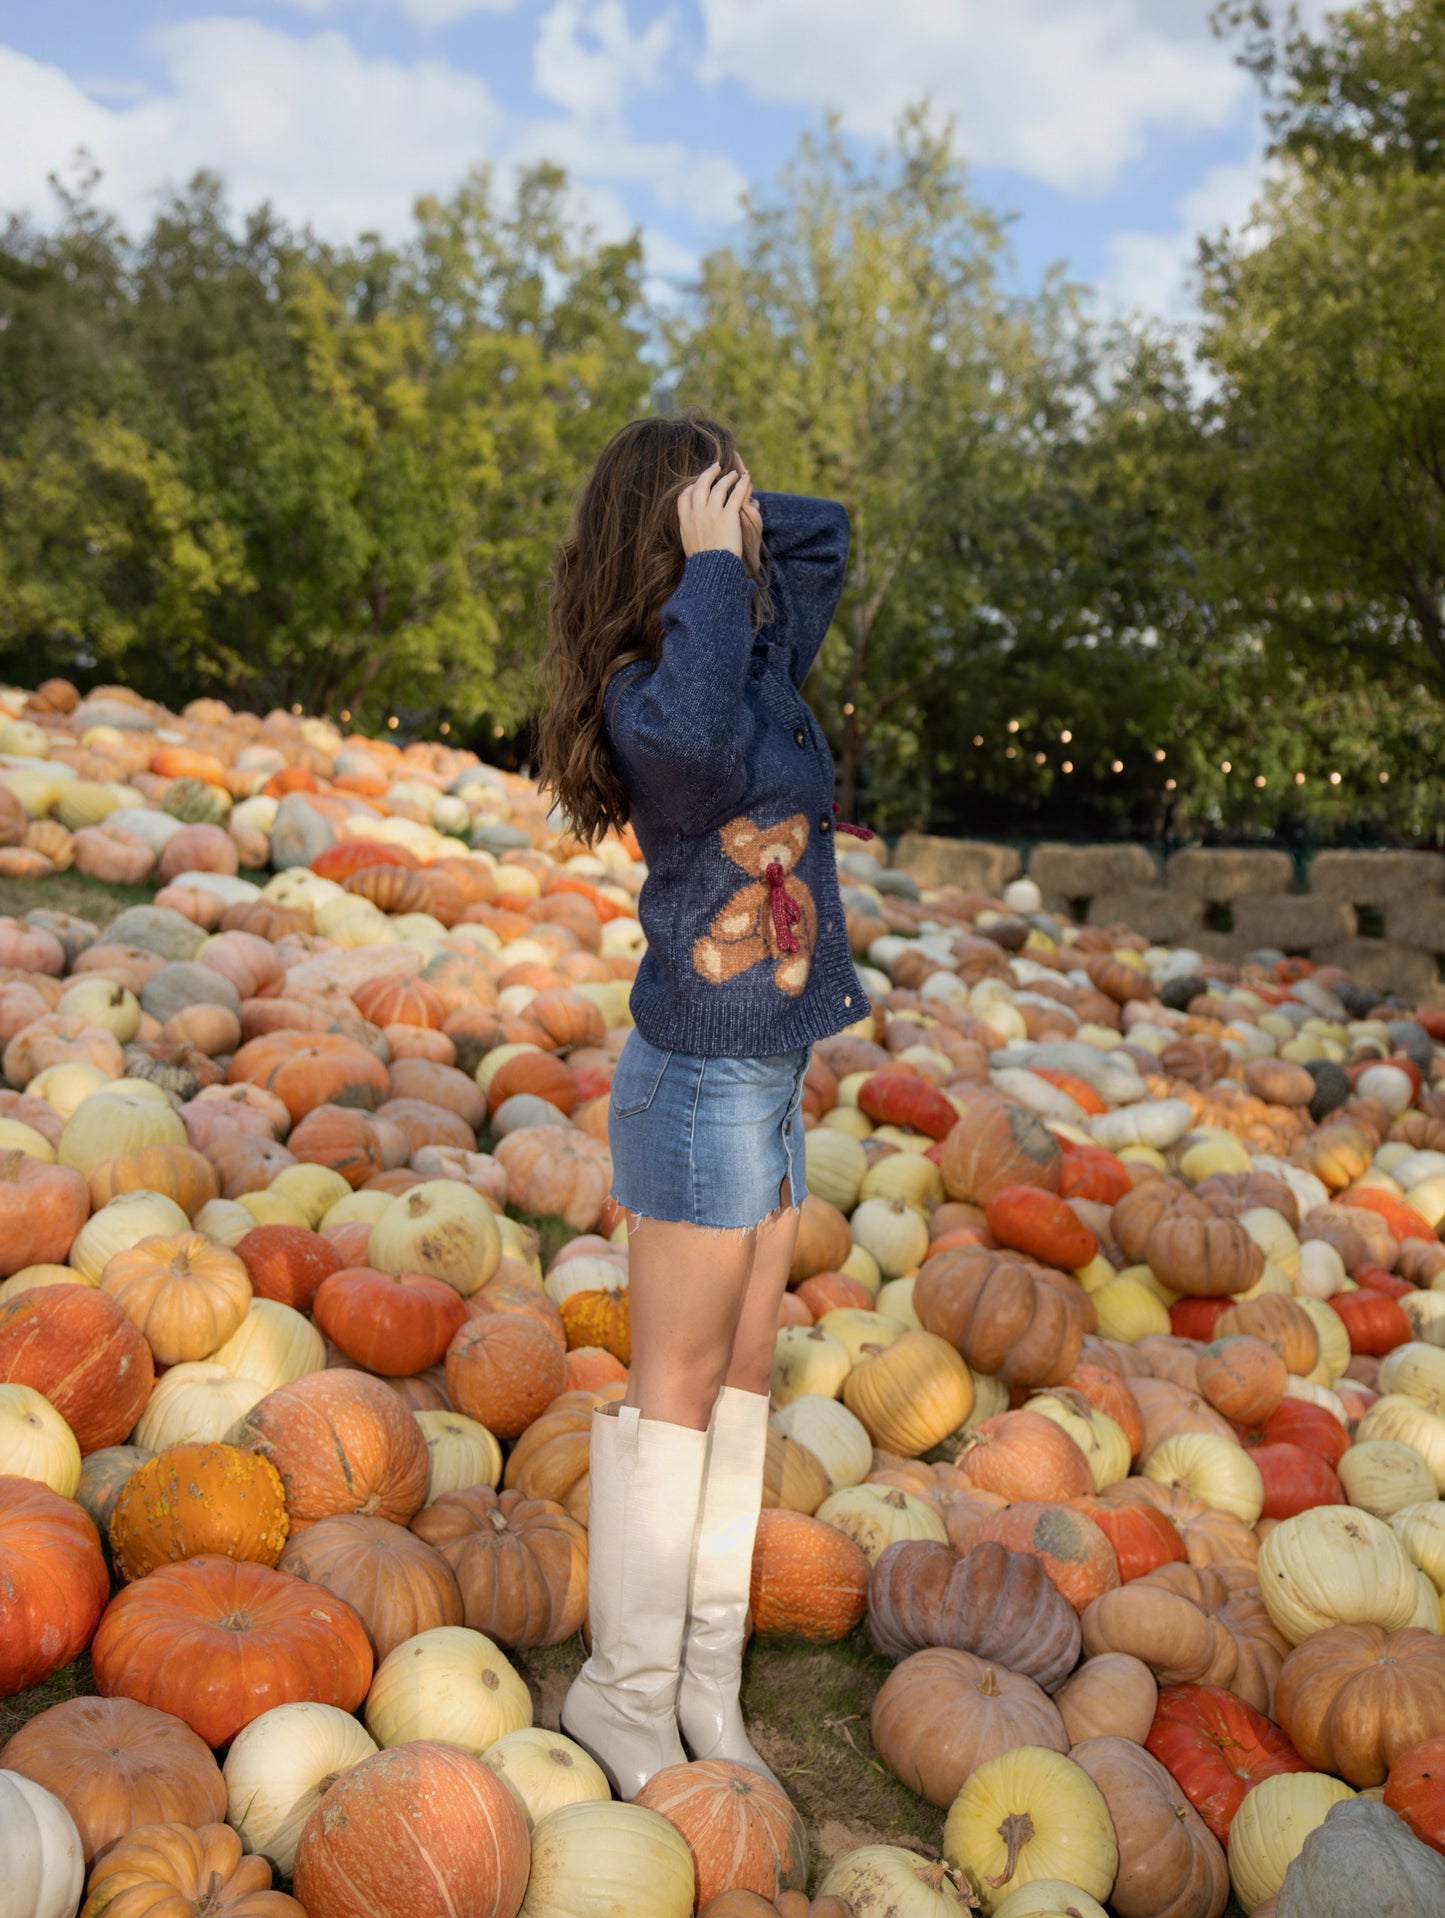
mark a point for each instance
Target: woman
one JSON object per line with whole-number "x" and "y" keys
{"x": 684, "y": 616}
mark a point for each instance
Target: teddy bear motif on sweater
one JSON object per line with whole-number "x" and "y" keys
{"x": 773, "y": 917}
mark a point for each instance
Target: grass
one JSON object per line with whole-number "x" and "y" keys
{"x": 71, "y": 892}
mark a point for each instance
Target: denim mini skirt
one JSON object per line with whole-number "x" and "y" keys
{"x": 706, "y": 1141}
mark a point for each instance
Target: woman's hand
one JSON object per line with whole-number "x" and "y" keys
{"x": 710, "y": 511}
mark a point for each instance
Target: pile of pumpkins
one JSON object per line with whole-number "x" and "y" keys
{"x": 1109, "y": 1394}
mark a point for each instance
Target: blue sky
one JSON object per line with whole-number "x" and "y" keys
{"x": 1114, "y": 130}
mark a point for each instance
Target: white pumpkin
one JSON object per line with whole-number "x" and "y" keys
{"x": 111, "y": 1123}
{"x": 895, "y": 1301}
{"x": 1382, "y": 1477}
{"x": 835, "y": 1166}
{"x": 273, "y": 1344}
{"x": 1334, "y": 1565}
{"x": 224, "y": 1221}
{"x": 459, "y": 1453}
{"x": 1421, "y": 1530}
{"x": 36, "y": 1442}
{"x": 1159, "y": 1123}
{"x": 448, "y": 1684}
{"x": 546, "y": 1770}
{"x": 199, "y": 1401}
{"x": 598, "y": 1860}
{"x": 1048, "y": 1898}
{"x": 1426, "y": 1313}
{"x": 835, "y": 1437}
{"x": 1212, "y": 1469}
{"x": 588, "y": 1272}
{"x": 890, "y": 1880}
{"x": 904, "y": 1174}
{"x": 1417, "y": 1369}
{"x": 44, "y": 1862}
{"x": 1102, "y": 1440}
{"x": 1270, "y": 1828}
{"x": 855, "y": 1327}
{"x": 1333, "y": 1336}
{"x": 1321, "y": 1271}
{"x": 1397, "y": 1416}
{"x": 121, "y": 1223}
{"x": 440, "y": 1227}
{"x": 877, "y": 1516}
{"x": 278, "y": 1769}
{"x": 807, "y": 1361}
{"x": 894, "y": 1231}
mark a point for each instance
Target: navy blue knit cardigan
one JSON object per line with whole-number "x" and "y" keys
{"x": 731, "y": 785}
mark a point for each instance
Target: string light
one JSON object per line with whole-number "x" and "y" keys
{"x": 345, "y": 716}
{"x": 1159, "y": 755}
{"x": 1066, "y": 736}
{"x": 1013, "y": 725}
{"x": 1068, "y": 766}
{"x": 1117, "y": 766}
{"x": 1010, "y": 753}
{"x": 297, "y": 711}
{"x": 1041, "y": 759}
{"x": 1384, "y": 779}
{"x": 499, "y": 732}
{"x": 848, "y": 708}
{"x": 445, "y": 727}
{"x": 1334, "y": 779}
{"x": 1225, "y": 766}
{"x": 1299, "y": 779}
{"x": 1260, "y": 780}
{"x": 392, "y": 723}
{"x": 978, "y": 739}
{"x": 1169, "y": 785}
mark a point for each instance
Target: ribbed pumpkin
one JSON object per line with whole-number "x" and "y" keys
{"x": 994, "y": 1145}
{"x": 551, "y": 1458}
{"x": 159, "y": 1867}
{"x": 1002, "y": 1314}
{"x": 186, "y": 1295}
{"x": 195, "y": 1500}
{"x": 740, "y": 1827}
{"x": 1354, "y": 1698}
{"x": 450, "y": 1684}
{"x": 910, "y": 1395}
{"x": 1073, "y": 1550}
{"x": 1170, "y": 1865}
{"x": 997, "y": 1604}
{"x": 178, "y": 1171}
{"x": 342, "y": 1442}
{"x": 520, "y": 1563}
{"x": 53, "y": 1583}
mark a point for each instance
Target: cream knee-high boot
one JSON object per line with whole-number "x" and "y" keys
{"x": 708, "y": 1713}
{"x": 646, "y": 1483}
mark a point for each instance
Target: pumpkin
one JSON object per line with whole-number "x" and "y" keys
{"x": 808, "y": 1580}
{"x": 392, "y": 1323}
{"x": 1400, "y": 1417}
{"x": 591, "y": 1859}
{"x": 911, "y": 1395}
{"x": 941, "y": 1713}
{"x": 875, "y": 1516}
{"x": 1102, "y": 1441}
{"x": 342, "y": 1442}
{"x": 460, "y": 1453}
{"x": 35, "y": 1441}
{"x": 1108, "y": 1393}
{"x": 551, "y": 1458}
{"x": 1142, "y": 1537}
{"x": 1039, "y": 1223}
{"x": 1335, "y": 1566}
{"x": 894, "y": 1232}
{"x": 997, "y": 1604}
{"x": 1217, "y": 1748}
{"x": 823, "y": 1240}
{"x": 887, "y": 1878}
{"x": 102, "y": 1477}
{"x": 1072, "y": 1549}
{"x": 185, "y": 1294}
{"x": 280, "y": 1766}
{"x": 1112, "y": 1695}
{"x": 272, "y": 1345}
{"x": 1003, "y": 1316}
{"x": 1270, "y": 1828}
{"x": 903, "y": 1099}
{"x": 504, "y": 1371}
{"x": 1375, "y": 1323}
{"x": 420, "y": 1828}
{"x": 53, "y": 1583}
{"x": 1022, "y": 1455}
{"x": 994, "y": 1145}
{"x": 41, "y": 1849}
{"x": 1184, "y": 1243}
{"x": 1361, "y": 1858}
{"x": 521, "y": 1564}
{"x": 307, "y": 1069}
{"x": 157, "y": 1865}
{"x": 1192, "y": 1624}
{"x": 450, "y": 1684}
{"x": 1296, "y": 1422}
{"x": 1030, "y": 1813}
{"x": 740, "y": 1827}
{"x": 546, "y": 1770}
{"x": 196, "y": 1402}
{"x": 441, "y": 1228}
{"x": 287, "y": 1263}
{"x": 195, "y": 1500}
{"x": 178, "y": 1171}
{"x": 42, "y": 1209}
{"x": 115, "y": 1764}
{"x": 1413, "y": 1791}
{"x": 1209, "y": 1535}
{"x": 1215, "y": 1470}
{"x": 600, "y": 1319}
{"x": 1295, "y": 1480}
{"x": 1243, "y": 1378}
{"x": 1170, "y": 1864}
{"x": 79, "y": 1350}
{"x": 395, "y": 1583}
{"x": 1352, "y": 1698}
{"x": 557, "y": 1172}
{"x": 1279, "y": 1322}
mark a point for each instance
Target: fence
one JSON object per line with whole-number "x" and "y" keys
{"x": 1381, "y": 915}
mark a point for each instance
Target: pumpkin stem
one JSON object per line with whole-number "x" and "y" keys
{"x": 209, "y": 1904}
{"x": 1016, "y": 1831}
{"x": 10, "y": 1165}
{"x": 498, "y": 1518}
{"x": 987, "y": 1686}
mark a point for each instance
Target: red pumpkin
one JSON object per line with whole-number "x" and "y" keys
{"x": 1142, "y": 1537}
{"x": 1402, "y": 1220}
{"x": 996, "y": 1144}
{"x": 1415, "y": 1789}
{"x": 1297, "y": 1422}
{"x": 1375, "y": 1323}
{"x": 392, "y": 1323}
{"x": 1030, "y": 1220}
{"x": 1379, "y": 1278}
{"x": 419, "y": 1829}
{"x": 1089, "y": 1172}
{"x": 1196, "y": 1318}
{"x": 53, "y": 1582}
{"x": 287, "y": 1263}
{"x": 1217, "y": 1748}
{"x": 1295, "y": 1480}
{"x": 218, "y": 1641}
{"x": 894, "y": 1097}
{"x": 74, "y": 1344}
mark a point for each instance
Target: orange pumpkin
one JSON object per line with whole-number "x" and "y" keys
{"x": 218, "y": 1641}
{"x": 342, "y": 1442}
{"x": 187, "y": 1295}
{"x": 178, "y": 1171}
{"x": 395, "y": 1582}
{"x": 1243, "y": 1378}
{"x": 1142, "y": 1537}
{"x": 741, "y": 1828}
{"x": 516, "y": 1296}
{"x": 342, "y": 1139}
{"x": 808, "y": 1579}
{"x": 1073, "y": 1550}
{"x": 1024, "y": 1456}
{"x": 551, "y": 1458}
{"x": 541, "y": 1074}
{"x": 77, "y": 1347}
{"x": 287, "y": 1263}
{"x": 157, "y": 1868}
{"x": 521, "y": 1563}
{"x": 389, "y": 1000}
{"x": 53, "y": 1582}
{"x": 901, "y": 1098}
{"x": 823, "y": 1240}
{"x": 557, "y": 1172}
{"x": 307, "y": 1069}
{"x": 198, "y": 1500}
{"x": 994, "y": 1145}
{"x": 601, "y": 1317}
{"x": 392, "y": 1323}
{"x": 42, "y": 1207}
{"x": 1003, "y": 1314}
{"x": 1041, "y": 1224}
{"x": 504, "y": 1370}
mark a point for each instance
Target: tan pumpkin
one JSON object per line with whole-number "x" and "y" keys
{"x": 1170, "y": 1864}
{"x": 521, "y": 1564}
{"x": 394, "y": 1581}
{"x": 910, "y": 1395}
{"x": 1111, "y": 1695}
{"x": 941, "y": 1713}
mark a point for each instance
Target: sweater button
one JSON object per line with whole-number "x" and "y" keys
{"x": 847, "y": 998}
{"x": 800, "y": 738}
{"x": 825, "y": 823}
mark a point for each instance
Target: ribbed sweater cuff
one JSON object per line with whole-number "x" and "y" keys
{"x": 714, "y": 571}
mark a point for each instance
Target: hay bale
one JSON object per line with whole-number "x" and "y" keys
{"x": 1168, "y": 918}
{"x": 1380, "y": 963}
{"x": 1293, "y": 922}
{"x": 972, "y": 864}
{"x": 1377, "y": 878}
{"x": 1223, "y": 873}
{"x": 1065, "y": 873}
{"x": 1416, "y": 922}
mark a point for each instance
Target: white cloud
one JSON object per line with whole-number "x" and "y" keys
{"x": 588, "y": 59}
{"x": 1154, "y": 272}
{"x": 1065, "y": 91}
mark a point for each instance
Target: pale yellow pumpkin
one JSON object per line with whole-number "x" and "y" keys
{"x": 895, "y": 1232}
{"x": 897, "y": 1883}
{"x": 1270, "y": 1827}
{"x": 199, "y": 1401}
{"x": 904, "y": 1175}
{"x": 545, "y": 1770}
{"x": 36, "y": 1442}
{"x": 1397, "y": 1416}
{"x": 1049, "y": 1898}
{"x": 459, "y": 1453}
{"x": 122, "y": 1223}
{"x": 592, "y": 1859}
{"x": 1102, "y": 1440}
{"x": 279, "y": 1768}
{"x": 313, "y": 1189}
{"x": 1333, "y": 1336}
{"x": 448, "y": 1684}
{"x": 877, "y": 1516}
{"x": 835, "y": 1166}
{"x": 272, "y": 1208}
{"x": 837, "y": 1439}
{"x": 895, "y": 1299}
{"x": 1334, "y": 1565}
{"x": 1416, "y": 1369}
{"x": 1421, "y": 1530}
{"x": 273, "y": 1344}
{"x": 1214, "y": 1470}
{"x": 112, "y": 1123}
{"x": 862, "y": 1333}
{"x": 807, "y": 1361}
{"x": 861, "y": 1265}
{"x": 441, "y": 1228}
{"x": 1382, "y": 1477}
{"x": 1129, "y": 1311}
{"x": 1026, "y": 1814}
{"x": 16, "y": 1136}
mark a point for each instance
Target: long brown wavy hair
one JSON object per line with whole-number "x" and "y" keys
{"x": 613, "y": 574}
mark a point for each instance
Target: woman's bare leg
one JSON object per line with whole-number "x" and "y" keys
{"x": 686, "y": 1285}
{"x": 750, "y": 1365}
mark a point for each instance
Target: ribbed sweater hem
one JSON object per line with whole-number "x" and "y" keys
{"x": 738, "y": 1031}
